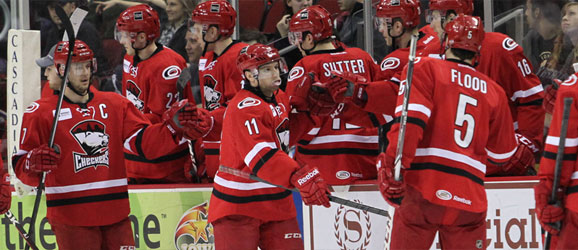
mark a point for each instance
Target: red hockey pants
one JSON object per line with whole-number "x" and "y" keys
{"x": 112, "y": 237}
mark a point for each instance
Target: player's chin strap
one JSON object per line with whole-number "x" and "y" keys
{"x": 257, "y": 91}
{"x": 207, "y": 42}
{"x": 76, "y": 91}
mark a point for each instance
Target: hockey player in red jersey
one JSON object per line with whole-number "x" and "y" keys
{"x": 566, "y": 211}
{"x": 219, "y": 80}
{"x": 344, "y": 144}
{"x": 86, "y": 181}
{"x": 397, "y": 20}
{"x": 447, "y": 98}
{"x": 503, "y": 60}
{"x": 247, "y": 214}
{"x": 150, "y": 73}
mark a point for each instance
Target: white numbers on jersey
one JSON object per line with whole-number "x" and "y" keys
{"x": 172, "y": 98}
{"x": 24, "y": 130}
{"x": 524, "y": 67}
{"x": 103, "y": 114}
{"x": 252, "y": 126}
{"x": 461, "y": 117}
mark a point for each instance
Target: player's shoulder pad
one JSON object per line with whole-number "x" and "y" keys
{"x": 569, "y": 85}
{"x": 43, "y": 104}
{"x": 250, "y": 103}
{"x": 390, "y": 62}
{"x": 501, "y": 42}
{"x": 296, "y": 72}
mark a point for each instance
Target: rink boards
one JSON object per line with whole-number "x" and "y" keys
{"x": 175, "y": 217}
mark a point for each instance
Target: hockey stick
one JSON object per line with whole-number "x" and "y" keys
{"x": 185, "y": 77}
{"x": 558, "y": 166}
{"x": 341, "y": 201}
{"x": 10, "y": 216}
{"x": 404, "y": 110}
{"x": 71, "y": 40}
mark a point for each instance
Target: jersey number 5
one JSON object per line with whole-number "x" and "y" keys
{"x": 464, "y": 139}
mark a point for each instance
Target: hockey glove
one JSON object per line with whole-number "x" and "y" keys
{"x": 5, "y": 193}
{"x": 354, "y": 91}
{"x": 523, "y": 160}
{"x": 312, "y": 187}
{"x": 185, "y": 119}
{"x": 199, "y": 125}
{"x": 391, "y": 190}
{"x": 550, "y": 96}
{"x": 42, "y": 159}
{"x": 549, "y": 215}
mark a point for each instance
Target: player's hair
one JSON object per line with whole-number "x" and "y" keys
{"x": 463, "y": 54}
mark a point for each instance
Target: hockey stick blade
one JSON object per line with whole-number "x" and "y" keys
{"x": 554, "y": 200}
{"x": 71, "y": 40}
{"x": 10, "y": 216}
{"x": 332, "y": 198}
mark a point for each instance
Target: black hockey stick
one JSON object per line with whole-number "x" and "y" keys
{"x": 191, "y": 76}
{"x": 10, "y": 216}
{"x": 558, "y": 166}
{"x": 71, "y": 40}
{"x": 332, "y": 198}
{"x": 268, "y": 5}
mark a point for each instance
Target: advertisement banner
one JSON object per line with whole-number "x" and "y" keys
{"x": 511, "y": 222}
{"x": 173, "y": 218}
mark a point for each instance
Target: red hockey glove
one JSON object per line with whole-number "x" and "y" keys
{"x": 312, "y": 187}
{"x": 42, "y": 159}
{"x": 550, "y": 96}
{"x": 354, "y": 91}
{"x": 523, "y": 160}
{"x": 185, "y": 119}
{"x": 199, "y": 125}
{"x": 5, "y": 193}
{"x": 319, "y": 99}
{"x": 391, "y": 190}
{"x": 548, "y": 214}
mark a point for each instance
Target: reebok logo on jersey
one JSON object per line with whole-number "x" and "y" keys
{"x": 462, "y": 200}
{"x": 91, "y": 136}
{"x": 306, "y": 178}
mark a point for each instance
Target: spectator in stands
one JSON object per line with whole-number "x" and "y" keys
{"x": 87, "y": 33}
{"x": 353, "y": 21}
{"x": 173, "y": 31}
{"x": 543, "y": 18}
{"x": 280, "y": 38}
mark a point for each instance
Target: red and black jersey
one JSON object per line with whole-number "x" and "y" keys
{"x": 503, "y": 60}
{"x": 569, "y": 173}
{"x": 344, "y": 147}
{"x": 151, "y": 85}
{"x": 220, "y": 81}
{"x": 89, "y": 187}
{"x": 255, "y": 140}
{"x": 392, "y": 65}
{"x": 457, "y": 120}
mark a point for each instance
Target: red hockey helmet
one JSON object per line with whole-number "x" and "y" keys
{"x": 408, "y": 10}
{"x": 465, "y": 32}
{"x": 136, "y": 19}
{"x": 465, "y": 7}
{"x": 216, "y": 12}
{"x": 313, "y": 19}
{"x": 81, "y": 53}
{"x": 254, "y": 56}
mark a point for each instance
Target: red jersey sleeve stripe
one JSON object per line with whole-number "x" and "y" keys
{"x": 526, "y": 93}
{"x": 451, "y": 156}
{"x": 555, "y": 141}
{"x": 256, "y": 149}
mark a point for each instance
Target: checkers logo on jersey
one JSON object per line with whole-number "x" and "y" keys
{"x": 212, "y": 96}
{"x": 444, "y": 195}
{"x": 133, "y": 94}
{"x": 92, "y": 138}
{"x": 193, "y": 230}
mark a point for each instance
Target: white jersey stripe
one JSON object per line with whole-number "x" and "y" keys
{"x": 501, "y": 156}
{"x": 314, "y": 131}
{"x": 258, "y": 147}
{"x": 451, "y": 156}
{"x": 241, "y": 185}
{"x": 86, "y": 186}
{"x": 415, "y": 107}
{"x": 525, "y": 93}
{"x": 345, "y": 138}
{"x": 554, "y": 141}
{"x": 127, "y": 141}
{"x": 574, "y": 176}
